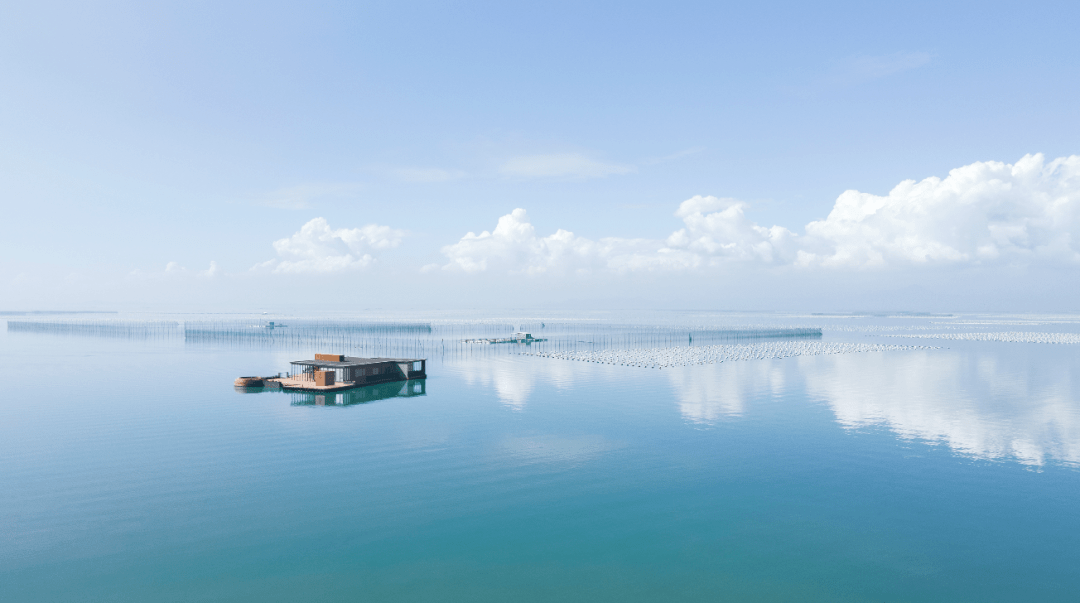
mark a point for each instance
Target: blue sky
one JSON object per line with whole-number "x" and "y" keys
{"x": 140, "y": 142}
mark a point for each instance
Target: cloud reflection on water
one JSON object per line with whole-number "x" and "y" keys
{"x": 514, "y": 378}
{"x": 708, "y": 394}
{"x": 984, "y": 403}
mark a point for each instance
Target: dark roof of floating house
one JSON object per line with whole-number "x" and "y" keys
{"x": 352, "y": 361}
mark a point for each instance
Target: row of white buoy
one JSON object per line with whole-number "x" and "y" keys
{"x": 712, "y": 354}
{"x": 883, "y": 328}
{"x": 1010, "y": 336}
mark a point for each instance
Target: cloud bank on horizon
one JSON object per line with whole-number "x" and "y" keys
{"x": 983, "y": 213}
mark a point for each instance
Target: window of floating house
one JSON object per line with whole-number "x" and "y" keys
{"x": 416, "y": 365}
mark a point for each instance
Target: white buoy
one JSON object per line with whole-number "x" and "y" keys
{"x": 714, "y": 354}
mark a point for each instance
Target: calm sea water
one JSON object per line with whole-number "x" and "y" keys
{"x": 130, "y": 470}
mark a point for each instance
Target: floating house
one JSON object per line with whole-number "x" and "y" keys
{"x": 336, "y": 372}
{"x": 342, "y": 372}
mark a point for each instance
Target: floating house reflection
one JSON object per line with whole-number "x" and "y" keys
{"x": 361, "y": 395}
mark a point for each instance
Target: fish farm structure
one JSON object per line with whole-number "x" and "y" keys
{"x": 396, "y": 339}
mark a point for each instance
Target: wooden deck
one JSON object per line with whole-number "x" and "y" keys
{"x": 307, "y": 385}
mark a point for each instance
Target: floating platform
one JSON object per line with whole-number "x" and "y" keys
{"x": 503, "y": 340}
{"x": 337, "y": 372}
{"x": 515, "y": 338}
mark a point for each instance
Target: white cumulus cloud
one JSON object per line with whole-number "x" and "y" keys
{"x": 986, "y": 212}
{"x": 212, "y": 271}
{"x": 718, "y": 228}
{"x": 514, "y": 246}
{"x": 318, "y": 248}
{"x": 715, "y": 231}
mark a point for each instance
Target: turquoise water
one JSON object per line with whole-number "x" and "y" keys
{"x": 931, "y": 475}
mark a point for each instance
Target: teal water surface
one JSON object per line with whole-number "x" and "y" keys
{"x": 131, "y": 470}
